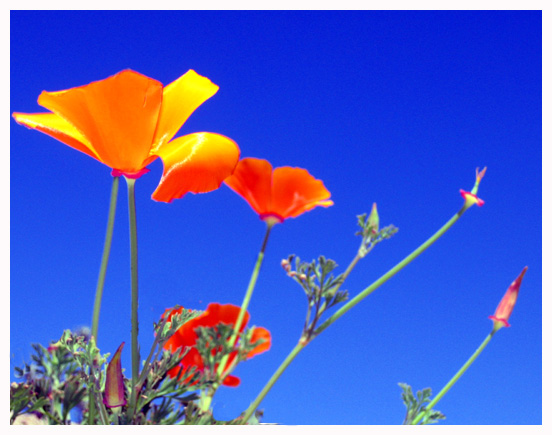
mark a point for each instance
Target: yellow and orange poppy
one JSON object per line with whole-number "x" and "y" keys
{"x": 128, "y": 120}
{"x": 277, "y": 194}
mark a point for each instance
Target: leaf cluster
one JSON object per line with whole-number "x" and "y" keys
{"x": 321, "y": 287}
{"x": 371, "y": 234}
{"x": 415, "y": 406}
{"x": 56, "y": 382}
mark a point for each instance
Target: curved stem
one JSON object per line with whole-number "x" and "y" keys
{"x": 101, "y": 278}
{"x": 105, "y": 257}
{"x": 455, "y": 378}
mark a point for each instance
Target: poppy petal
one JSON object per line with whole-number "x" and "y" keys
{"x": 196, "y": 163}
{"x": 260, "y": 334}
{"x": 227, "y": 314}
{"x": 117, "y": 115}
{"x": 295, "y": 191}
{"x": 231, "y": 381}
{"x": 252, "y": 180}
{"x": 180, "y": 99}
{"x": 57, "y": 127}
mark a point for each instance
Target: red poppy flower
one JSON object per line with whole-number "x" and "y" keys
{"x": 215, "y": 314}
{"x": 277, "y": 194}
{"x": 128, "y": 120}
{"x": 506, "y": 305}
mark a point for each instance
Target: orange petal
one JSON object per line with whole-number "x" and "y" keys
{"x": 57, "y": 127}
{"x": 118, "y": 116}
{"x": 197, "y": 163}
{"x": 260, "y": 334}
{"x": 180, "y": 99}
{"x": 231, "y": 381}
{"x": 252, "y": 181}
{"x": 295, "y": 191}
{"x": 227, "y": 314}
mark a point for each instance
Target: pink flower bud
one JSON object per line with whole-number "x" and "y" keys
{"x": 506, "y": 305}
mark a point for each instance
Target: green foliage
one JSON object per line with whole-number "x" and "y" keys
{"x": 415, "y": 406}
{"x": 370, "y": 232}
{"x": 321, "y": 287}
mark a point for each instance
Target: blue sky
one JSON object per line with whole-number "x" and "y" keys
{"x": 392, "y": 107}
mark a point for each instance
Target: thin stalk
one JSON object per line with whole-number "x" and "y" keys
{"x": 105, "y": 257}
{"x": 101, "y": 277}
{"x": 207, "y": 398}
{"x": 134, "y": 287}
{"x": 255, "y": 404}
{"x": 302, "y": 343}
{"x": 392, "y": 272}
{"x": 251, "y": 286}
{"x": 455, "y": 378}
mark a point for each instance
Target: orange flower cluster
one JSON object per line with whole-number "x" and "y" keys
{"x": 186, "y": 337}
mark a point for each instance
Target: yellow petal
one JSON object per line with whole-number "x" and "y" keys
{"x": 180, "y": 99}
{"x": 196, "y": 163}
{"x": 57, "y": 127}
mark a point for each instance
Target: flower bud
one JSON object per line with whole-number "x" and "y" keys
{"x": 114, "y": 394}
{"x": 506, "y": 305}
{"x": 373, "y": 219}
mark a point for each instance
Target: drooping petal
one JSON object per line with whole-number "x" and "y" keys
{"x": 262, "y": 336}
{"x": 57, "y": 127}
{"x": 252, "y": 181}
{"x": 196, "y": 163}
{"x": 180, "y": 99}
{"x": 118, "y": 116}
{"x": 231, "y": 381}
{"x": 295, "y": 191}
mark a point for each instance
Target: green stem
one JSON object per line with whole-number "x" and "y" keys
{"x": 302, "y": 344}
{"x": 105, "y": 257}
{"x": 455, "y": 378}
{"x": 251, "y": 286}
{"x": 254, "y": 405}
{"x": 392, "y": 272}
{"x": 101, "y": 277}
{"x": 134, "y": 286}
{"x": 206, "y": 400}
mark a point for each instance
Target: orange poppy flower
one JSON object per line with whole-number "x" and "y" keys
{"x": 215, "y": 314}
{"x": 277, "y": 194}
{"x": 128, "y": 120}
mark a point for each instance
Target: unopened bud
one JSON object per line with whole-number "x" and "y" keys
{"x": 373, "y": 219}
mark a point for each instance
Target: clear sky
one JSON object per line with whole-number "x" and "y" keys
{"x": 392, "y": 107}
